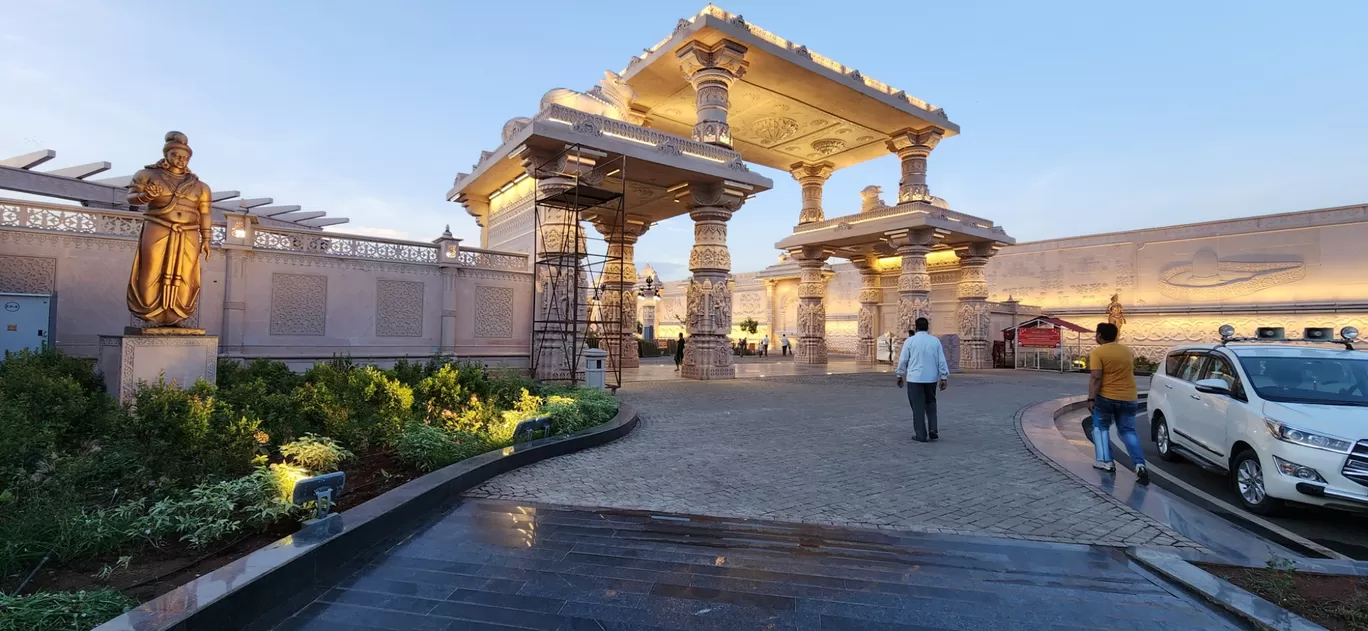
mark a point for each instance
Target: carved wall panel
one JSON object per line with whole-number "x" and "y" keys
{"x": 28, "y": 274}
{"x": 493, "y": 311}
{"x": 398, "y": 308}
{"x": 299, "y": 304}
{"x": 842, "y": 336}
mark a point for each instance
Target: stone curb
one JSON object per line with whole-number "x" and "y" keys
{"x": 261, "y": 583}
{"x": 1040, "y": 455}
{"x": 1249, "y": 608}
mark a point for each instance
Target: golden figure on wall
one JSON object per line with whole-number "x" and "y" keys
{"x": 165, "y": 284}
{"x": 1115, "y": 313}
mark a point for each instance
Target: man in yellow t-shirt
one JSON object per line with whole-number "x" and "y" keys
{"x": 1112, "y": 400}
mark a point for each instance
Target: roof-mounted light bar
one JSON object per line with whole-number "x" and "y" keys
{"x": 1322, "y": 335}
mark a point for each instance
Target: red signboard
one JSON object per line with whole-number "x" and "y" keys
{"x": 1041, "y": 338}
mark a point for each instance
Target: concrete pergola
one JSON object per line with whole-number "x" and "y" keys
{"x": 73, "y": 183}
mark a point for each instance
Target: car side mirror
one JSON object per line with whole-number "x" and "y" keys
{"x": 1213, "y": 386}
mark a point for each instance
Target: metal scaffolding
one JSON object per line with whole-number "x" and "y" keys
{"x": 572, "y": 278}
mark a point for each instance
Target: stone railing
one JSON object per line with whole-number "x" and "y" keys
{"x": 797, "y": 49}
{"x": 895, "y": 211}
{"x": 594, "y": 125}
{"x": 345, "y": 246}
{"x": 92, "y": 221}
{"x": 489, "y": 259}
{"x": 128, "y": 225}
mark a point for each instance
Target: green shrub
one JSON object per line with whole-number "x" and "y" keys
{"x": 188, "y": 435}
{"x": 429, "y": 448}
{"x": 275, "y": 374}
{"x": 359, "y": 406}
{"x": 203, "y": 515}
{"x": 318, "y": 454}
{"x": 49, "y": 403}
{"x": 276, "y": 411}
{"x": 507, "y": 389}
{"x": 61, "y": 611}
{"x": 408, "y": 372}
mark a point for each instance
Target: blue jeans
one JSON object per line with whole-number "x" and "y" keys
{"x": 1122, "y": 413}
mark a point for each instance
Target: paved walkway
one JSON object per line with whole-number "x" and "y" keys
{"x": 489, "y": 565}
{"x": 837, "y": 450}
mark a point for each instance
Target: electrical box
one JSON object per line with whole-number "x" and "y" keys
{"x": 25, "y": 321}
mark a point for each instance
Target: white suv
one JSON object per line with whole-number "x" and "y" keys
{"x": 1287, "y": 421}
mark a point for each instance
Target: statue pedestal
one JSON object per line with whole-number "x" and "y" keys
{"x": 183, "y": 358}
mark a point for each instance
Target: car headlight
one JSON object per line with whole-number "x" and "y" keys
{"x": 1295, "y": 470}
{"x": 1308, "y": 439}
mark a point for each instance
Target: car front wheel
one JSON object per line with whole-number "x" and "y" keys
{"x": 1248, "y": 479}
{"x": 1163, "y": 442}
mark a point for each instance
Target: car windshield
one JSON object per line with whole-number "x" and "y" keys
{"x": 1325, "y": 381}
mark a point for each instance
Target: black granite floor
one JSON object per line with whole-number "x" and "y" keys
{"x": 497, "y": 565}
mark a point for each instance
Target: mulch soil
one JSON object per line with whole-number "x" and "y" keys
{"x": 1339, "y": 603}
{"x": 155, "y": 571}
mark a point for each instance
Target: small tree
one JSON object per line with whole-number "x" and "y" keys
{"x": 749, "y": 325}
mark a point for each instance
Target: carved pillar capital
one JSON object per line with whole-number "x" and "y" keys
{"x": 913, "y": 147}
{"x": 811, "y": 177}
{"x": 711, "y": 69}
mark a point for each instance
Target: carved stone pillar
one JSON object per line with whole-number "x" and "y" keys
{"x": 913, "y": 147}
{"x": 870, "y": 297}
{"x": 772, "y": 309}
{"x": 914, "y": 282}
{"x": 617, "y": 294}
{"x": 561, "y": 296}
{"x": 711, "y": 69}
{"x": 811, "y": 347}
{"x": 237, "y": 247}
{"x": 811, "y": 177}
{"x": 708, "y": 353}
{"x": 973, "y": 306}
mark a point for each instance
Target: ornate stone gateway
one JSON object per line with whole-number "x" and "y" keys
{"x": 688, "y": 109}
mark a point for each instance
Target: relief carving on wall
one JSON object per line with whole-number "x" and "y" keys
{"x": 299, "y": 304}
{"x": 28, "y": 274}
{"x": 842, "y": 336}
{"x": 398, "y": 308}
{"x": 493, "y": 311}
{"x": 1208, "y": 278}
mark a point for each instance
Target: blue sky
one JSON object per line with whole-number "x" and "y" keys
{"x": 1077, "y": 117}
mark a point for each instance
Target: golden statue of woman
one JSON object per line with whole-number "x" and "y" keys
{"x": 165, "y": 285}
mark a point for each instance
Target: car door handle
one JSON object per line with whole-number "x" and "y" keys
{"x": 1168, "y": 386}
{"x": 1195, "y": 397}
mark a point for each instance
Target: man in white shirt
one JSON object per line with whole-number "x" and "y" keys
{"x": 922, "y": 366}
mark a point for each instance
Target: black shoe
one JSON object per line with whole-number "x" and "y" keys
{"x": 935, "y": 436}
{"x": 920, "y": 440}
{"x": 1142, "y": 473}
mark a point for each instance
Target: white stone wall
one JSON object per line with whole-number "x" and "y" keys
{"x": 1177, "y": 284}
{"x": 283, "y": 295}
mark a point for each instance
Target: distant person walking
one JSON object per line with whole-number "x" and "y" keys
{"x": 764, "y": 346}
{"x": 679, "y": 352}
{"x": 923, "y": 367}
{"x": 783, "y": 345}
{"x": 1112, "y": 400}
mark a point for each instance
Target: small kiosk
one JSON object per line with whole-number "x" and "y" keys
{"x": 1040, "y": 344}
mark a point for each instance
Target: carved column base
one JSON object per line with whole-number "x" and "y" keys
{"x": 708, "y": 357}
{"x": 810, "y": 351}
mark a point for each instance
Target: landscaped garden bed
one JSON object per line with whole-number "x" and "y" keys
{"x": 1338, "y": 603}
{"x": 104, "y": 505}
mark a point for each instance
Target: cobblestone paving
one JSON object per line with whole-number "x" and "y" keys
{"x": 838, "y": 450}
